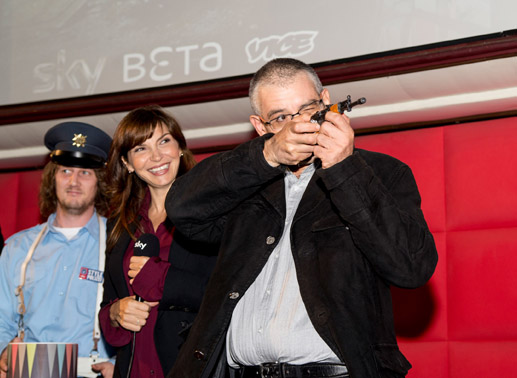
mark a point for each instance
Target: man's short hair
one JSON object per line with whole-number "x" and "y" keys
{"x": 48, "y": 196}
{"x": 280, "y": 72}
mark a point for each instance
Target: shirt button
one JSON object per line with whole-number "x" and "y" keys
{"x": 65, "y": 268}
{"x": 234, "y": 295}
{"x": 270, "y": 240}
{"x": 198, "y": 355}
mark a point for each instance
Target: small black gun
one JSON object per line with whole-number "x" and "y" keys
{"x": 340, "y": 108}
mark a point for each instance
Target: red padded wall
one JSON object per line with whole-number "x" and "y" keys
{"x": 19, "y": 201}
{"x": 463, "y": 322}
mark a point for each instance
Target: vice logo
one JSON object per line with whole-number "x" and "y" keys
{"x": 290, "y": 45}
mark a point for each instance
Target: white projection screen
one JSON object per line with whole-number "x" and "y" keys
{"x": 57, "y": 49}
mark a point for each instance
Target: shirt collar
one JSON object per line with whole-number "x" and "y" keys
{"x": 307, "y": 172}
{"x": 92, "y": 227}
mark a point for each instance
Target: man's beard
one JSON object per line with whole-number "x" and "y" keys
{"x": 74, "y": 207}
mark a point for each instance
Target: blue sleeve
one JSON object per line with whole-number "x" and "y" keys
{"x": 8, "y": 300}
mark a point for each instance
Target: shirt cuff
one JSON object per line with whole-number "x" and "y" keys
{"x": 115, "y": 336}
{"x": 150, "y": 281}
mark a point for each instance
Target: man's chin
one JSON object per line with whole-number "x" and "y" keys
{"x": 75, "y": 208}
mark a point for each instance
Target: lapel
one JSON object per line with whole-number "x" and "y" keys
{"x": 274, "y": 193}
{"x": 312, "y": 197}
{"x": 117, "y": 264}
{"x": 314, "y": 194}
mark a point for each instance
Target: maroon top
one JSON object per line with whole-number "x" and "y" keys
{"x": 149, "y": 285}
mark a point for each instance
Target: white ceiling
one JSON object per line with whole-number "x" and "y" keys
{"x": 441, "y": 94}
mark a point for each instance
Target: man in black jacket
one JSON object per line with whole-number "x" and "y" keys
{"x": 313, "y": 232}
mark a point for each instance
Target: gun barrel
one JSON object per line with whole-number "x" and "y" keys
{"x": 339, "y": 107}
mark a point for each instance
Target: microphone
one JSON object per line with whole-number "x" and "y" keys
{"x": 146, "y": 245}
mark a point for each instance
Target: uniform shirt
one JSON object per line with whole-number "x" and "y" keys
{"x": 60, "y": 306}
{"x": 270, "y": 322}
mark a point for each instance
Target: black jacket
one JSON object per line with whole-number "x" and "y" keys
{"x": 191, "y": 265}
{"x": 357, "y": 230}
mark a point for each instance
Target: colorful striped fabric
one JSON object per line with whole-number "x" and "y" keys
{"x": 42, "y": 360}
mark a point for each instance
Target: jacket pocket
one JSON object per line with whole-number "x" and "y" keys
{"x": 329, "y": 222}
{"x": 391, "y": 363}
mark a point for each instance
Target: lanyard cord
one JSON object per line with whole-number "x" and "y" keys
{"x": 102, "y": 255}
{"x": 19, "y": 290}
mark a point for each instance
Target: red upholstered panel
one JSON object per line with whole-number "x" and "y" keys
{"x": 481, "y": 174}
{"x": 488, "y": 359}
{"x": 429, "y": 359}
{"x": 19, "y": 194}
{"x": 482, "y": 284}
{"x": 28, "y": 209}
{"x": 9, "y": 195}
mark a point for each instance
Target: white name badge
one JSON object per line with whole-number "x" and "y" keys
{"x": 91, "y": 275}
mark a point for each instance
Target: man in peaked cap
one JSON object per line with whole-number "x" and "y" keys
{"x": 51, "y": 274}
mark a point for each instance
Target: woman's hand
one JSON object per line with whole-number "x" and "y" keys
{"x": 130, "y": 314}
{"x": 136, "y": 263}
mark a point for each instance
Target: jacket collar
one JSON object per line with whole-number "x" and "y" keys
{"x": 274, "y": 193}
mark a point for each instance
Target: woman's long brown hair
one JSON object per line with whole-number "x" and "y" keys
{"x": 126, "y": 190}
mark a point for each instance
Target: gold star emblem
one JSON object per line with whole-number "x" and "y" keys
{"x": 79, "y": 140}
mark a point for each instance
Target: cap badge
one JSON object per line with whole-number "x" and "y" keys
{"x": 79, "y": 140}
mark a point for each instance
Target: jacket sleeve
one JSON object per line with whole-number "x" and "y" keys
{"x": 382, "y": 209}
{"x": 199, "y": 200}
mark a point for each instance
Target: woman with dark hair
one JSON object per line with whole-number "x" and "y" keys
{"x": 149, "y": 302}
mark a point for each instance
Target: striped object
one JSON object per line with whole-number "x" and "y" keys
{"x": 42, "y": 360}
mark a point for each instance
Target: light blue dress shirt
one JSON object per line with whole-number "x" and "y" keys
{"x": 60, "y": 306}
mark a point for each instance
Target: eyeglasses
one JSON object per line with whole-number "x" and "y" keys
{"x": 282, "y": 119}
